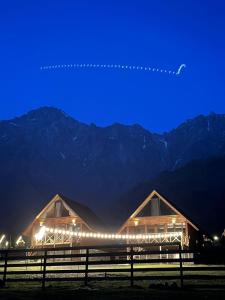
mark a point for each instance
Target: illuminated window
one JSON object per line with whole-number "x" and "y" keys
{"x": 170, "y": 227}
{"x": 136, "y": 229}
{"x": 178, "y": 227}
{"x": 150, "y": 228}
{"x": 160, "y": 228}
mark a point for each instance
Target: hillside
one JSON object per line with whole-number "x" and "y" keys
{"x": 198, "y": 189}
{"x": 46, "y": 152}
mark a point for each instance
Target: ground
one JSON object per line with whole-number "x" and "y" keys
{"x": 143, "y": 289}
{"x": 118, "y": 293}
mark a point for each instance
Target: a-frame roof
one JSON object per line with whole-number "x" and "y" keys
{"x": 167, "y": 202}
{"x": 76, "y": 209}
{"x": 85, "y": 213}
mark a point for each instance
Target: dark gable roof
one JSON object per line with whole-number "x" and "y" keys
{"x": 142, "y": 194}
{"x": 85, "y": 213}
{"x": 181, "y": 211}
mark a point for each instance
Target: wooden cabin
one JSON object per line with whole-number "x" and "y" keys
{"x": 63, "y": 222}
{"x": 158, "y": 218}
{"x": 62, "y": 216}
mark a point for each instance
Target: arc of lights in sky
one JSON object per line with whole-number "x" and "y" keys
{"x": 111, "y": 236}
{"x": 116, "y": 66}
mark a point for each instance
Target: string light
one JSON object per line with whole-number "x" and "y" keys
{"x": 111, "y": 236}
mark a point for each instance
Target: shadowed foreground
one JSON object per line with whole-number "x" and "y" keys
{"x": 119, "y": 292}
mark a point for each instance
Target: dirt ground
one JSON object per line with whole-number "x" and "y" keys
{"x": 93, "y": 293}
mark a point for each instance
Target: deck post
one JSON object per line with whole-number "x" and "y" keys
{"x": 131, "y": 266}
{"x": 181, "y": 267}
{"x": 44, "y": 270}
{"x": 86, "y": 267}
{"x": 5, "y": 268}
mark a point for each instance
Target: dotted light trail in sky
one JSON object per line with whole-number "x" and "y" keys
{"x": 113, "y": 66}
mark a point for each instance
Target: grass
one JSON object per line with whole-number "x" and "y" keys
{"x": 113, "y": 284}
{"x": 106, "y": 292}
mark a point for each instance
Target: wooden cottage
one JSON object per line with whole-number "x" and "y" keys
{"x": 161, "y": 221}
{"x": 63, "y": 222}
{"x": 62, "y": 216}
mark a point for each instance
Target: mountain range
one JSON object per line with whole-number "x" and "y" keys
{"x": 45, "y": 152}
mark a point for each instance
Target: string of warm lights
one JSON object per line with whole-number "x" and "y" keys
{"x": 112, "y": 236}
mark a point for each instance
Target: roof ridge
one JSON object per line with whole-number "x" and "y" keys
{"x": 93, "y": 220}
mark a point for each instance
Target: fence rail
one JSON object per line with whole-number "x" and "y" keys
{"x": 106, "y": 262}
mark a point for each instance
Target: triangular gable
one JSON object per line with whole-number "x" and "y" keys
{"x": 166, "y": 203}
{"x": 156, "y": 207}
{"x": 47, "y": 209}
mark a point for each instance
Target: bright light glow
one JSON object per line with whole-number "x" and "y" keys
{"x": 2, "y": 238}
{"x": 136, "y": 221}
{"x": 215, "y": 238}
{"x": 6, "y": 243}
{"x": 19, "y": 240}
{"x": 39, "y": 236}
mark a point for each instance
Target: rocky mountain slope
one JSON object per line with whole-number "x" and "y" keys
{"x": 46, "y": 152}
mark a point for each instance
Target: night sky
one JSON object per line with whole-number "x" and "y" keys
{"x": 161, "y": 33}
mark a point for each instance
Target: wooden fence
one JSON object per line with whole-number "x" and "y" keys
{"x": 131, "y": 262}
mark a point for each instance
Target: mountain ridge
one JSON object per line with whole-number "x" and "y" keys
{"x": 45, "y": 152}
{"x": 54, "y": 109}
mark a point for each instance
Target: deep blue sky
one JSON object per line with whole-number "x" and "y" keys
{"x": 154, "y": 33}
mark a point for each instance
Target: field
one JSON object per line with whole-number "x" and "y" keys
{"x": 113, "y": 274}
{"x": 106, "y": 291}
{"x": 121, "y": 271}
{"x": 116, "y": 289}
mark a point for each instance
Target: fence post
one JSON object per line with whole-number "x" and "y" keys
{"x": 181, "y": 267}
{"x": 86, "y": 267}
{"x": 131, "y": 266}
{"x": 5, "y": 268}
{"x": 44, "y": 270}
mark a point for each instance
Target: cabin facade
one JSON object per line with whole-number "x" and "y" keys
{"x": 63, "y": 222}
{"x": 54, "y": 224}
{"x": 158, "y": 220}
